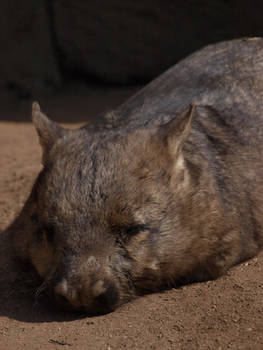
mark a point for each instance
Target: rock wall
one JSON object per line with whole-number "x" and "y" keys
{"x": 43, "y": 42}
{"x": 27, "y": 61}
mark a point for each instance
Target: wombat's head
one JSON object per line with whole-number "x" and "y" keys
{"x": 98, "y": 222}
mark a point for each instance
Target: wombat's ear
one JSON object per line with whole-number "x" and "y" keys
{"x": 48, "y": 131}
{"x": 175, "y": 132}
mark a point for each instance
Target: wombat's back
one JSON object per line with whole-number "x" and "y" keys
{"x": 227, "y": 76}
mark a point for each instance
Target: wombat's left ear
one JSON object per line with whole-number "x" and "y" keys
{"x": 175, "y": 132}
{"x": 48, "y": 131}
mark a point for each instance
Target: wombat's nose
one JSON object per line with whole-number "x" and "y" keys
{"x": 101, "y": 297}
{"x": 66, "y": 296}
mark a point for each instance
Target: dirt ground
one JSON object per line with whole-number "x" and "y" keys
{"x": 222, "y": 314}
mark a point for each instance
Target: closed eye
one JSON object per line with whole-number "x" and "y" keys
{"x": 126, "y": 233}
{"x": 133, "y": 230}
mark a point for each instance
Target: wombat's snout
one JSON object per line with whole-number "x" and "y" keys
{"x": 98, "y": 297}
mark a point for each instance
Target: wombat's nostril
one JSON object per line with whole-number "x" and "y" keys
{"x": 66, "y": 296}
{"x": 63, "y": 301}
{"x": 61, "y": 293}
{"x": 98, "y": 288}
{"x": 108, "y": 299}
{"x": 62, "y": 288}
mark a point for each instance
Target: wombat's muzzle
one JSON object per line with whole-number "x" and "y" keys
{"x": 96, "y": 298}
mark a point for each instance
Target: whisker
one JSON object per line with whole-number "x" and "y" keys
{"x": 40, "y": 291}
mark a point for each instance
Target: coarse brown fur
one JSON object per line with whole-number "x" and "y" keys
{"x": 167, "y": 188}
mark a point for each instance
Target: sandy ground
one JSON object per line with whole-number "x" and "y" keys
{"x": 222, "y": 314}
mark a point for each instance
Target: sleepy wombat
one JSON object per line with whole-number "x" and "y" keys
{"x": 167, "y": 188}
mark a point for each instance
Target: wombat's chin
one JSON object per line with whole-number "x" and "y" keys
{"x": 62, "y": 304}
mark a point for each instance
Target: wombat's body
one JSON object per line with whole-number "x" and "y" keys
{"x": 158, "y": 192}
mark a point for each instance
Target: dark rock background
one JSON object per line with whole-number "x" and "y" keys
{"x": 28, "y": 63}
{"x": 46, "y": 44}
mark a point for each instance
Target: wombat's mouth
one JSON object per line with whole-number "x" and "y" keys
{"x": 96, "y": 309}
{"x": 63, "y": 304}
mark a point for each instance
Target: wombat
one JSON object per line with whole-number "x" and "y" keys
{"x": 166, "y": 188}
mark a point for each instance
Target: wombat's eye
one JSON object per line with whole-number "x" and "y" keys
{"x": 132, "y": 230}
{"x": 124, "y": 233}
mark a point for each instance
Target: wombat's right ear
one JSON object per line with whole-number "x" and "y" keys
{"x": 175, "y": 132}
{"x": 48, "y": 131}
